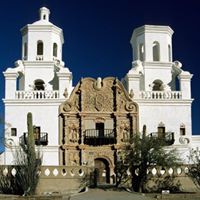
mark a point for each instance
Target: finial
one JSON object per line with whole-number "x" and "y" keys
{"x": 99, "y": 83}
{"x": 44, "y": 13}
{"x": 131, "y": 94}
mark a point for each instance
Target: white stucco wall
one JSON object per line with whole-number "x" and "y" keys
{"x": 48, "y": 37}
{"x": 45, "y": 115}
{"x": 157, "y": 71}
{"x": 171, "y": 114}
{"x": 147, "y": 35}
{"x": 33, "y": 71}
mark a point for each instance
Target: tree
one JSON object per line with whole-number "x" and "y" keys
{"x": 194, "y": 167}
{"x": 139, "y": 154}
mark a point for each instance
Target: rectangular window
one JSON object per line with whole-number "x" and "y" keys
{"x": 182, "y": 131}
{"x": 13, "y": 132}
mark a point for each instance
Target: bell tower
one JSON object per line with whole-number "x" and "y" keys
{"x": 38, "y": 83}
{"x": 152, "y": 43}
{"x": 43, "y": 67}
{"x": 158, "y": 84}
{"x": 152, "y": 59}
{"x": 42, "y": 40}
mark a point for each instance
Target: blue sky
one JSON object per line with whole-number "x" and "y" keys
{"x": 97, "y": 35}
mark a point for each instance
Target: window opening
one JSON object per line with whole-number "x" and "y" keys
{"x": 157, "y": 85}
{"x": 161, "y": 131}
{"x": 37, "y": 133}
{"x": 100, "y": 129}
{"x": 182, "y": 130}
{"x": 40, "y": 48}
{"x": 156, "y": 51}
{"x": 169, "y": 53}
{"x": 13, "y": 132}
{"x": 25, "y": 50}
{"x": 141, "y": 52}
{"x": 55, "y": 49}
{"x": 39, "y": 84}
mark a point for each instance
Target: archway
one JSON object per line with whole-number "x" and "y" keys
{"x": 39, "y": 84}
{"x": 157, "y": 85}
{"x": 102, "y": 171}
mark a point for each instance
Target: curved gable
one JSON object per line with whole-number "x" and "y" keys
{"x": 97, "y": 95}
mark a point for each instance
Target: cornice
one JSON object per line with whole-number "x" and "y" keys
{"x": 42, "y": 28}
{"x": 38, "y": 63}
{"x": 153, "y": 29}
{"x": 163, "y": 102}
{"x": 35, "y": 102}
{"x": 155, "y": 64}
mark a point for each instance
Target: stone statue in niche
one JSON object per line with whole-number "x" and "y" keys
{"x": 125, "y": 131}
{"x": 73, "y": 133}
{"x": 74, "y": 159}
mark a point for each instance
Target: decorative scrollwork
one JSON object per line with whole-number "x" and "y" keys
{"x": 9, "y": 142}
{"x": 184, "y": 140}
{"x": 67, "y": 107}
{"x": 130, "y": 106}
{"x": 99, "y": 102}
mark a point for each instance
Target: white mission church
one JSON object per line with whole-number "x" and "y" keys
{"x": 86, "y": 124}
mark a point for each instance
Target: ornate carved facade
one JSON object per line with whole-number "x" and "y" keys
{"x": 95, "y": 121}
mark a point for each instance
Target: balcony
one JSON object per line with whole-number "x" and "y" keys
{"x": 40, "y": 139}
{"x": 161, "y": 95}
{"x": 37, "y": 94}
{"x": 166, "y": 137}
{"x": 96, "y": 137}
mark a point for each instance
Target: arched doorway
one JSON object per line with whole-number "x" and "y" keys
{"x": 102, "y": 171}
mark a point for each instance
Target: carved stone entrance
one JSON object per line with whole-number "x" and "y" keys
{"x": 96, "y": 121}
{"x": 102, "y": 171}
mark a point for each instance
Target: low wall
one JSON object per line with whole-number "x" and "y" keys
{"x": 61, "y": 179}
{"x": 55, "y": 180}
{"x": 180, "y": 178}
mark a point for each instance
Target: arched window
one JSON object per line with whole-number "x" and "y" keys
{"x": 182, "y": 130}
{"x": 39, "y": 48}
{"x": 156, "y": 51}
{"x": 55, "y": 49}
{"x": 44, "y": 17}
{"x": 25, "y": 50}
{"x": 141, "y": 52}
{"x": 38, "y": 84}
{"x": 157, "y": 85}
{"x": 169, "y": 53}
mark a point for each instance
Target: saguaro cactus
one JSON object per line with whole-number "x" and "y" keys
{"x": 31, "y": 138}
{"x": 30, "y": 163}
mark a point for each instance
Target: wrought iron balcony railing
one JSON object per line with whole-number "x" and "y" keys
{"x": 166, "y": 137}
{"x": 96, "y": 137}
{"x": 40, "y": 139}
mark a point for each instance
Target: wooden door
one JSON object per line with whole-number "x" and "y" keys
{"x": 101, "y": 171}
